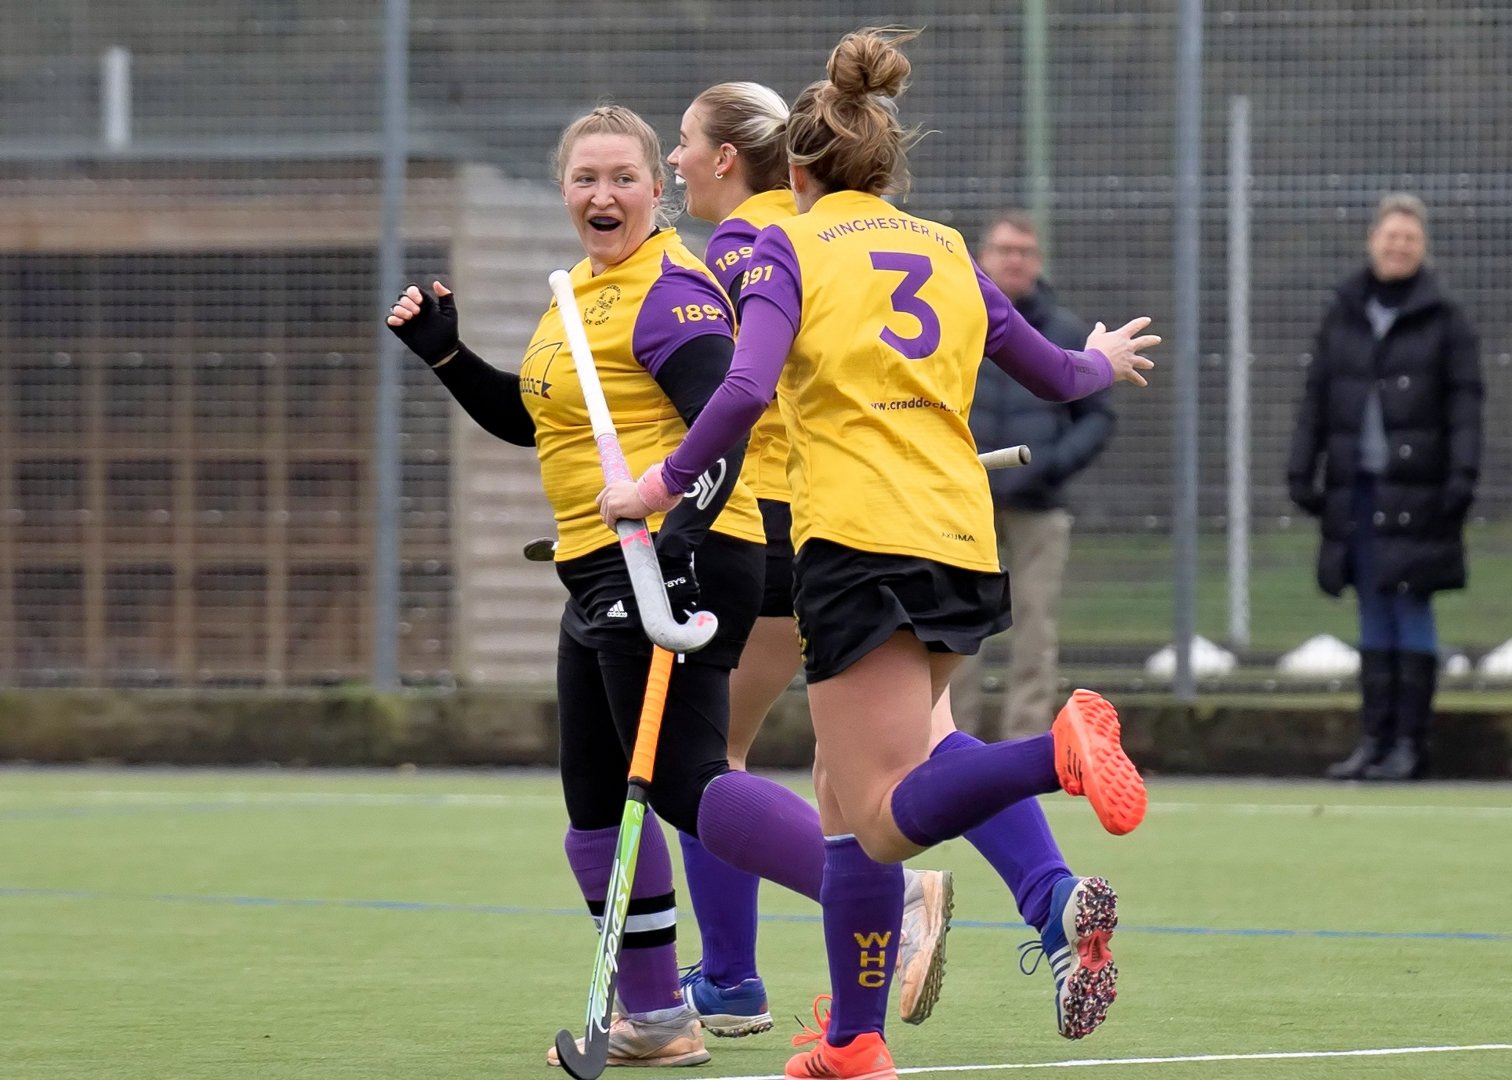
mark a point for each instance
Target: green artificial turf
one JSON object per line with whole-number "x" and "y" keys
{"x": 176, "y": 924}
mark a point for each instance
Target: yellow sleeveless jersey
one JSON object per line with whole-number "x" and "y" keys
{"x": 636, "y": 314}
{"x": 728, "y": 255}
{"x": 890, "y": 327}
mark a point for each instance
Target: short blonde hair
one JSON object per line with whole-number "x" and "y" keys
{"x": 1401, "y": 202}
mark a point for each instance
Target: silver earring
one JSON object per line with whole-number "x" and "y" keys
{"x": 718, "y": 175}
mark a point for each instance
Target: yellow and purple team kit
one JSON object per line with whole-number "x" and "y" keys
{"x": 871, "y": 324}
{"x": 728, "y": 256}
{"x": 637, "y": 314}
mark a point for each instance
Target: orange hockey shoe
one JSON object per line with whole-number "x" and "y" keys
{"x": 1090, "y": 761}
{"x": 865, "y": 1058}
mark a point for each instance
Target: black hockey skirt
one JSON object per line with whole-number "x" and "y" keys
{"x": 849, "y": 602}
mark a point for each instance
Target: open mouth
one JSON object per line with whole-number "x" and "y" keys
{"x": 604, "y": 224}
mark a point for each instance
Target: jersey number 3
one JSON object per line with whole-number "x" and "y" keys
{"x": 916, "y": 270}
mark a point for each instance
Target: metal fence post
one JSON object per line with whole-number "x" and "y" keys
{"x": 387, "y": 466}
{"x": 1188, "y": 298}
{"x": 1239, "y": 373}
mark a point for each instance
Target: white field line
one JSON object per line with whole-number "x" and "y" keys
{"x": 128, "y": 797}
{"x": 1092, "y": 1063}
{"x": 1313, "y": 809}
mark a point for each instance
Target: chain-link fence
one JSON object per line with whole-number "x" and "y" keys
{"x": 189, "y": 199}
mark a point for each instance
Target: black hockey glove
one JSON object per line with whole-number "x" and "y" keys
{"x": 432, "y": 334}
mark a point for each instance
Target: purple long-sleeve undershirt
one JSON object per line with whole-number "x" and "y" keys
{"x": 766, "y": 334}
{"x": 1043, "y": 368}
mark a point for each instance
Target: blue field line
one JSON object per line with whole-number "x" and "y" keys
{"x": 14, "y": 892}
{"x": 291, "y": 902}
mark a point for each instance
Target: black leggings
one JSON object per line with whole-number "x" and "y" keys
{"x": 599, "y": 696}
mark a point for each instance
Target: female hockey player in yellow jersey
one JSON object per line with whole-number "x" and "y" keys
{"x": 661, "y": 331}
{"x": 731, "y": 160}
{"x": 874, "y": 321}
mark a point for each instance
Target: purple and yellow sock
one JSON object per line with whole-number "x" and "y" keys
{"x": 863, "y": 919}
{"x": 648, "y": 956}
{"x": 950, "y": 793}
{"x": 724, "y": 903}
{"x": 1018, "y": 844}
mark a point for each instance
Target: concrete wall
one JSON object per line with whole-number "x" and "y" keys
{"x": 1237, "y": 736}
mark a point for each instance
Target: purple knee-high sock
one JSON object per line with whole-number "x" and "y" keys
{"x": 1018, "y": 844}
{"x": 648, "y": 954}
{"x": 863, "y": 919}
{"x": 762, "y": 828}
{"x": 724, "y": 902}
{"x": 951, "y": 793}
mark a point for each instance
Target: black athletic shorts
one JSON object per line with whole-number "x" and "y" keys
{"x": 777, "y": 592}
{"x": 601, "y": 612}
{"x": 849, "y": 602}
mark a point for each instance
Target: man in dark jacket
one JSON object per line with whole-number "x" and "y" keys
{"x": 1033, "y": 526}
{"x": 1390, "y": 423}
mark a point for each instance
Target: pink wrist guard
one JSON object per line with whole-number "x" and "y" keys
{"x": 652, "y": 489}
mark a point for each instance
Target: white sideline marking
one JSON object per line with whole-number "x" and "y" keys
{"x": 1088, "y": 1063}
{"x": 1307, "y": 809}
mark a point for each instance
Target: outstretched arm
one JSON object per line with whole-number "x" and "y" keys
{"x": 427, "y": 324}
{"x": 1055, "y": 374}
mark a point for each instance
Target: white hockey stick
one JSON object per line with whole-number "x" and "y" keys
{"x": 1009, "y": 457}
{"x": 635, "y": 540}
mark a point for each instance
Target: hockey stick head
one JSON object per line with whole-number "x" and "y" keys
{"x": 588, "y": 1065}
{"x": 589, "y": 1062}
{"x": 657, "y": 620}
{"x": 541, "y": 549}
{"x": 689, "y": 636}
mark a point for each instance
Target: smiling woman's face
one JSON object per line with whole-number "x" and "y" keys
{"x": 612, "y": 194}
{"x": 696, "y": 159}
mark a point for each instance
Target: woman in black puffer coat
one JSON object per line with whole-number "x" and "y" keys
{"x": 1390, "y": 426}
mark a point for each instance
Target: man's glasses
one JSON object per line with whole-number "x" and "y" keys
{"x": 1027, "y": 251}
